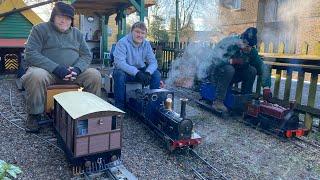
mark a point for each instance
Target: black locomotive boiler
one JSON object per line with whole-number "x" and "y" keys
{"x": 155, "y": 106}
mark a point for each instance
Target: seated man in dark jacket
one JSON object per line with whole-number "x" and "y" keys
{"x": 236, "y": 60}
{"x": 57, "y": 54}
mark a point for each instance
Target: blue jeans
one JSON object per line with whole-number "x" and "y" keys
{"x": 120, "y": 78}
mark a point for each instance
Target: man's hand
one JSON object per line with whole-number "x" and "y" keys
{"x": 267, "y": 94}
{"x": 75, "y": 69}
{"x": 148, "y": 78}
{"x": 70, "y": 77}
{"x": 61, "y": 72}
{"x": 74, "y": 72}
{"x": 236, "y": 61}
{"x": 141, "y": 77}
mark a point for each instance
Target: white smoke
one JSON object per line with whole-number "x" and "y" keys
{"x": 196, "y": 62}
{"x": 184, "y": 69}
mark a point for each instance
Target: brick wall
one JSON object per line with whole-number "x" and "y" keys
{"x": 306, "y": 29}
{"x": 236, "y": 21}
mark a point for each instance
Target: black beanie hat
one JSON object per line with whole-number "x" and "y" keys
{"x": 62, "y": 8}
{"x": 250, "y": 35}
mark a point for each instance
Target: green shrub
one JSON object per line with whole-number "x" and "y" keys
{"x": 8, "y": 171}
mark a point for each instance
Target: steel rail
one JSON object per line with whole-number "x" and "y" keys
{"x": 23, "y": 118}
{"x": 207, "y": 163}
{"x": 198, "y": 174}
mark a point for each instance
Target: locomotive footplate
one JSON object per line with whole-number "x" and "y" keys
{"x": 193, "y": 141}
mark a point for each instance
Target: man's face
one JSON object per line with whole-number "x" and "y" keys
{"x": 246, "y": 48}
{"x": 138, "y": 35}
{"x": 63, "y": 23}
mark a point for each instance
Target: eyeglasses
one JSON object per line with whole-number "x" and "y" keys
{"x": 137, "y": 31}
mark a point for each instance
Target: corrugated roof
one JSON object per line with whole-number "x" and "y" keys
{"x": 79, "y": 104}
{"x": 9, "y": 5}
{"x": 107, "y": 7}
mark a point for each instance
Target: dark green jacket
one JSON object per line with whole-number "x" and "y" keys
{"x": 47, "y": 48}
{"x": 229, "y": 48}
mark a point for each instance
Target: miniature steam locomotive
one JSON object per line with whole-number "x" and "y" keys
{"x": 155, "y": 108}
{"x": 282, "y": 121}
{"x": 272, "y": 117}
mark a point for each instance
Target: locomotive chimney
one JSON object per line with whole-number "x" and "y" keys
{"x": 183, "y": 107}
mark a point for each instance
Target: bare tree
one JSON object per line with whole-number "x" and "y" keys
{"x": 188, "y": 11}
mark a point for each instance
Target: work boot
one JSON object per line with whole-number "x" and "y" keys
{"x": 32, "y": 123}
{"x": 219, "y": 106}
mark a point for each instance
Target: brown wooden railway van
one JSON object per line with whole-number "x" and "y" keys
{"x": 56, "y": 89}
{"x": 86, "y": 124}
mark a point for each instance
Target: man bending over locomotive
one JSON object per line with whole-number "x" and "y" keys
{"x": 236, "y": 60}
{"x": 57, "y": 54}
{"x": 134, "y": 60}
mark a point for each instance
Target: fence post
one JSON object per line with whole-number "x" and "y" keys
{"x": 176, "y": 47}
{"x": 270, "y": 48}
{"x": 287, "y": 87}
{"x": 299, "y": 87}
{"x": 311, "y": 99}
{"x": 317, "y": 49}
{"x": 277, "y": 83}
{"x": 304, "y": 49}
{"x": 159, "y": 56}
{"x": 281, "y": 48}
{"x": 261, "y": 47}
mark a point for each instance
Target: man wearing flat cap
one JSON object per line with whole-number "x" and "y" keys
{"x": 235, "y": 59}
{"x": 57, "y": 54}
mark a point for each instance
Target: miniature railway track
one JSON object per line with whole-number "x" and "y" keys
{"x": 102, "y": 170}
{"x": 12, "y": 110}
{"x": 297, "y": 141}
{"x": 212, "y": 173}
{"x": 314, "y": 145}
{"x": 197, "y": 165}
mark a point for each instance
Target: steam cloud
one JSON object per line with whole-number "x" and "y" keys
{"x": 196, "y": 62}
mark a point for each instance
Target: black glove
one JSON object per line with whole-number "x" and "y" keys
{"x": 141, "y": 77}
{"x": 76, "y": 70}
{"x": 148, "y": 77}
{"x": 61, "y": 71}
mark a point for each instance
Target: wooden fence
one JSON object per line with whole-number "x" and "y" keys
{"x": 285, "y": 65}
